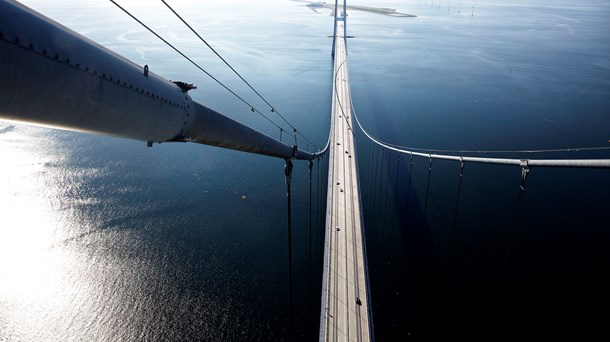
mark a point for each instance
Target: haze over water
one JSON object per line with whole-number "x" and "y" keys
{"x": 106, "y": 239}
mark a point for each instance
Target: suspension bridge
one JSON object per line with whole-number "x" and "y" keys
{"x": 88, "y": 88}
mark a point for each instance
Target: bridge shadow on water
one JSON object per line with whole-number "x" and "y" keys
{"x": 446, "y": 260}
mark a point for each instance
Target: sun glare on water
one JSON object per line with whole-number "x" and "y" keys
{"x": 34, "y": 286}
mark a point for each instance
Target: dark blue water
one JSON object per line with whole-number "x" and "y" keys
{"x": 510, "y": 77}
{"x": 106, "y": 239}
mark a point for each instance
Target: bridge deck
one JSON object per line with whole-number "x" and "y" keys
{"x": 345, "y": 307}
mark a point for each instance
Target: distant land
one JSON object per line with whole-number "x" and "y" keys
{"x": 314, "y": 5}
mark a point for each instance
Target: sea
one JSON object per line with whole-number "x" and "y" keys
{"x": 106, "y": 239}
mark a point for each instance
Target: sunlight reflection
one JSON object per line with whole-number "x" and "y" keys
{"x": 33, "y": 281}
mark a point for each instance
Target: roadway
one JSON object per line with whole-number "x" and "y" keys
{"x": 345, "y": 301}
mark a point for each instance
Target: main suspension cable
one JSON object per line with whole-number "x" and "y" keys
{"x": 252, "y": 108}
{"x": 426, "y": 150}
{"x": 273, "y": 109}
{"x": 586, "y": 163}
